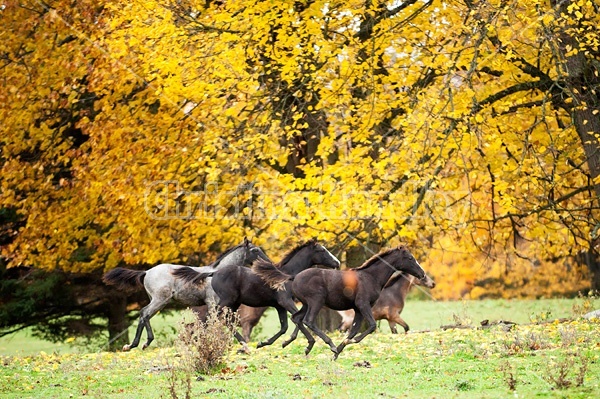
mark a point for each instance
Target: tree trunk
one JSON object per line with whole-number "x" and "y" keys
{"x": 118, "y": 322}
{"x": 592, "y": 261}
{"x": 582, "y": 78}
{"x": 328, "y": 320}
{"x": 581, "y": 82}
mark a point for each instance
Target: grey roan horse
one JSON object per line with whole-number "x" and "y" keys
{"x": 356, "y": 289}
{"x": 162, "y": 287}
{"x": 236, "y": 285}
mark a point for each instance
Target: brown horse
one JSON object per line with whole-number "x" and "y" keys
{"x": 390, "y": 303}
{"x": 388, "y": 307}
{"x": 356, "y": 289}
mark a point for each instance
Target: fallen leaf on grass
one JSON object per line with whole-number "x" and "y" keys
{"x": 214, "y": 390}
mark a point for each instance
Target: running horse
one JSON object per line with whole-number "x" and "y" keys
{"x": 162, "y": 287}
{"x": 236, "y": 285}
{"x": 356, "y": 289}
{"x": 390, "y": 303}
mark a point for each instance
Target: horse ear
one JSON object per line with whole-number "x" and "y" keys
{"x": 246, "y": 241}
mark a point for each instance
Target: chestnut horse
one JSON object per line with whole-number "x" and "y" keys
{"x": 388, "y": 306}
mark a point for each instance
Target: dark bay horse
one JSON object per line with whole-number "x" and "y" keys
{"x": 162, "y": 287}
{"x": 356, "y": 289}
{"x": 388, "y": 307}
{"x": 236, "y": 285}
{"x": 390, "y": 303}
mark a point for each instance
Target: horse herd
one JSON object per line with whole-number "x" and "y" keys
{"x": 229, "y": 282}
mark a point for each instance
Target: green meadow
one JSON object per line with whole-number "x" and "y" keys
{"x": 541, "y": 356}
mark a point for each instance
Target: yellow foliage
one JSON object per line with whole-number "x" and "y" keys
{"x": 145, "y": 132}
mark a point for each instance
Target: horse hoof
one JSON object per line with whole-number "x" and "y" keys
{"x": 126, "y": 348}
{"x": 144, "y": 346}
{"x": 260, "y": 345}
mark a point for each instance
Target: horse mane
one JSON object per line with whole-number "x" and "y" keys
{"x": 292, "y": 252}
{"x": 378, "y": 257}
{"x": 271, "y": 274}
{"x": 224, "y": 254}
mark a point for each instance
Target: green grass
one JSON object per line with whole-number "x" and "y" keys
{"x": 420, "y": 315}
{"x": 453, "y": 363}
{"x": 457, "y": 364}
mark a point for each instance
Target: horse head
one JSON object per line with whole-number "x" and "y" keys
{"x": 321, "y": 256}
{"x": 406, "y": 262}
{"x": 252, "y": 253}
{"x": 426, "y": 282}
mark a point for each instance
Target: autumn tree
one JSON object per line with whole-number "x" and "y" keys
{"x": 142, "y": 132}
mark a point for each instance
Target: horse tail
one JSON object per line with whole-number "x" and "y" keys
{"x": 271, "y": 275}
{"x": 189, "y": 275}
{"x": 124, "y": 279}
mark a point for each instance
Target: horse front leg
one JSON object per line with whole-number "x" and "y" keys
{"x": 397, "y": 320}
{"x": 356, "y": 323}
{"x": 372, "y": 325}
{"x": 282, "y": 313}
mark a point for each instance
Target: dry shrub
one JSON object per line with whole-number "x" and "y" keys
{"x": 509, "y": 375}
{"x": 179, "y": 383}
{"x": 204, "y": 344}
{"x": 530, "y": 341}
{"x": 585, "y": 304}
{"x": 201, "y": 349}
{"x": 567, "y": 372}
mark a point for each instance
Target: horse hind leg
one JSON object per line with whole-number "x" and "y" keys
{"x": 233, "y": 308}
{"x": 282, "y": 313}
{"x": 138, "y": 334}
{"x": 145, "y": 315}
{"x": 290, "y": 306}
{"x": 309, "y": 321}
{"x": 297, "y": 318}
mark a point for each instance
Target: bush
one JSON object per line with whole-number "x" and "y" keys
{"x": 201, "y": 348}
{"x": 203, "y": 345}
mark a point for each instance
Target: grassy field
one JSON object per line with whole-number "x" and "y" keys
{"x": 526, "y": 361}
{"x": 420, "y": 315}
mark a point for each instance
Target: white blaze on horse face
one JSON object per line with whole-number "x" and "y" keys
{"x": 420, "y": 267}
{"x": 330, "y": 254}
